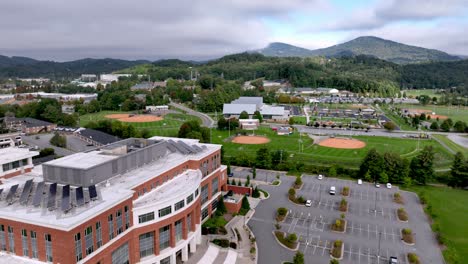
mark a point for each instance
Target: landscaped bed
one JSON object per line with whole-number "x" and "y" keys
{"x": 402, "y": 214}
{"x": 407, "y": 236}
{"x": 397, "y": 198}
{"x": 343, "y": 205}
{"x": 339, "y": 225}
{"x": 292, "y": 197}
{"x": 413, "y": 258}
{"x": 289, "y": 241}
{"x": 345, "y": 191}
{"x": 281, "y": 214}
{"x": 337, "y": 250}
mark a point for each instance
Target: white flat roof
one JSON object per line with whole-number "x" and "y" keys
{"x": 83, "y": 160}
{"x": 119, "y": 190}
{"x": 8, "y": 155}
{"x": 238, "y": 108}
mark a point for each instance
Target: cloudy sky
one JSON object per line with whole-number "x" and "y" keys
{"x": 200, "y": 29}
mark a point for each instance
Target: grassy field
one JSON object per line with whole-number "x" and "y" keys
{"x": 429, "y": 92}
{"x": 452, "y": 145}
{"x": 314, "y": 154}
{"x": 450, "y": 207}
{"x": 454, "y": 112}
{"x": 167, "y": 127}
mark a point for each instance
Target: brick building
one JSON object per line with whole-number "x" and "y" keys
{"x": 15, "y": 161}
{"x": 28, "y": 125}
{"x": 133, "y": 201}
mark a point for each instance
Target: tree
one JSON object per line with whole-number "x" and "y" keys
{"x": 422, "y": 166}
{"x": 395, "y": 167}
{"x": 390, "y": 126}
{"x": 450, "y": 122}
{"x": 459, "y": 171}
{"x": 459, "y": 126}
{"x": 258, "y": 115}
{"x": 247, "y": 182}
{"x": 192, "y": 129}
{"x": 372, "y": 164}
{"x": 245, "y": 204}
{"x": 435, "y": 125}
{"x": 58, "y": 140}
{"x": 422, "y": 117}
{"x": 332, "y": 171}
{"x": 298, "y": 258}
{"x": 424, "y": 99}
{"x": 254, "y": 172}
{"x": 263, "y": 158}
{"x": 222, "y": 123}
{"x": 291, "y": 121}
{"x": 383, "y": 177}
{"x": 221, "y": 206}
{"x": 244, "y": 115}
{"x": 445, "y": 126}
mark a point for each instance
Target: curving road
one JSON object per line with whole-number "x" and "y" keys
{"x": 206, "y": 120}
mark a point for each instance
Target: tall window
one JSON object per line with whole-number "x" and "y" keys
{"x": 165, "y": 211}
{"x": 98, "y": 235}
{"x": 189, "y": 222}
{"x": 146, "y": 217}
{"x": 11, "y": 239}
{"x": 118, "y": 216}
{"x": 127, "y": 217}
{"x": 189, "y": 198}
{"x": 204, "y": 194}
{"x": 196, "y": 192}
{"x": 34, "y": 244}
{"x": 2, "y": 238}
{"x": 214, "y": 186}
{"x": 166, "y": 260}
{"x": 120, "y": 255}
{"x": 204, "y": 213}
{"x": 178, "y": 230}
{"x": 179, "y": 205}
{"x": 110, "y": 220}
{"x": 146, "y": 244}
{"x": 78, "y": 251}
{"x": 48, "y": 242}
{"x": 24, "y": 242}
{"x": 214, "y": 204}
{"x": 89, "y": 242}
{"x": 164, "y": 235}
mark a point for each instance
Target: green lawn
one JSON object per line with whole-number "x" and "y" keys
{"x": 168, "y": 127}
{"x": 454, "y": 112}
{"x": 314, "y": 154}
{"x": 452, "y": 214}
{"x": 397, "y": 119}
{"x": 452, "y": 145}
{"x": 429, "y": 92}
{"x": 301, "y": 120}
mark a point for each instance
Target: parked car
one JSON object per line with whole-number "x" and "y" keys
{"x": 389, "y": 185}
{"x": 359, "y": 181}
{"x": 320, "y": 177}
{"x": 393, "y": 260}
{"x": 308, "y": 203}
{"x": 231, "y": 174}
{"x": 332, "y": 190}
{"x": 377, "y": 185}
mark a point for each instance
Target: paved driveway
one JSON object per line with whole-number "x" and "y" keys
{"x": 43, "y": 141}
{"x": 371, "y": 220}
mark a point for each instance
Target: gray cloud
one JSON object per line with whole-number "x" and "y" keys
{"x": 149, "y": 29}
{"x": 387, "y": 12}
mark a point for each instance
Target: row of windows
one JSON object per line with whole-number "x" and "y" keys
{"x": 14, "y": 164}
{"x": 24, "y": 242}
{"x": 167, "y": 210}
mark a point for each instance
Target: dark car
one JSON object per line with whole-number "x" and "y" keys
{"x": 231, "y": 174}
{"x": 393, "y": 260}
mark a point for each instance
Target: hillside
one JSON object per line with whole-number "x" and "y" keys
{"x": 371, "y": 46}
{"x": 25, "y": 67}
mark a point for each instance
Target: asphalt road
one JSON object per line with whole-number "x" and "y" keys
{"x": 43, "y": 141}
{"x": 206, "y": 120}
{"x": 371, "y": 218}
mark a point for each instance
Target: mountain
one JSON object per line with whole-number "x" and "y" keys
{"x": 23, "y": 67}
{"x": 371, "y": 46}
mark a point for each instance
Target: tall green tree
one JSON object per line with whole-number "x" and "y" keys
{"x": 263, "y": 158}
{"x": 298, "y": 258}
{"x": 373, "y": 164}
{"x": 422, "y": 166}
{"x": 258, "y": 115}
{"x": 459, "y": 171}
{"x": 244, "y": 115}
{"x": 395, "y": 167}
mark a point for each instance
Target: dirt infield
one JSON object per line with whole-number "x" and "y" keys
{"x": 253, "y": 140}
{"x": 441, "y": 117}
{"x": 135, "y": 118}
{"x": 342, "y": 143}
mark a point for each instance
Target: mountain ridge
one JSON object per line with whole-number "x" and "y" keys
{"x": 366, "y": 45}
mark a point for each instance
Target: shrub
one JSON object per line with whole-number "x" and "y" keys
{"x": 282, "y": 211}
{"x": 334, "y": 261}
{"x": 275, "y": 183}
{"x": 413, "y": 258}
{"x": 292, "y": 192}
{"x": 402, "y": 215}
{"x": 336, "y": 251}
{"x": 345, "y": 191}
{"x": 338, "y": 225}
{"x": 300, "y": 200}
{"x": 343, "y": 216}
{"x": 233, "y": 245}
{"x": 280, "y": 236}
{"x": 397, "y": 198}
{"x": 252, "y": 250}
{"x": 292, "y": 238}
{"x": 343, "y": 205}
{"x": 407, "y": 235}
{"x": 298, "y": 182}
{"x": 224, "y": 243}
{"x": 298, "y": 258}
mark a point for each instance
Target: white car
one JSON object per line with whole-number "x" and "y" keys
{"x": 308, "y": 203}
{"x": 332, "y": 190}
{"x": 359, "y": 181}
{"x": 377, "y": 185}
{"x": 389, "y": 185}
{"x": 320, "y": 177}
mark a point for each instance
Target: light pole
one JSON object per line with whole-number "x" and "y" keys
{"x": 308, "y": 227}
{"x": 229, "y": 126}
{"x": 378, "y": 252}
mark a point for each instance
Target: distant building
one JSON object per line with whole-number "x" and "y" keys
{"x": 249, "y": 124}
{"x": 88, "y": 77}
{"x": 38, "y": 80}
{"x": 95, "y": 137}
{"x": 15, "y": 161}
{"x": 10, "y": 140}
{"x": 68, "y": 109}
{"x": 64, "y": 97}
{"x": 252, "y": 104}
{"x": 143, "y": 86}
{"x": 108, "y": 78}
{"x": 157, "y": 108}
{"x": 28, "y": 125}
{"x": 160, "y": 84}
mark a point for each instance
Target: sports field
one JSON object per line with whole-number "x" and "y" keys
{"x": 309, "y": 153}
{"x": 449, "y": 205}
{"x": 169, "y": 126}
{"x": 429, "y": 92}
{"x": 456, "y": 113}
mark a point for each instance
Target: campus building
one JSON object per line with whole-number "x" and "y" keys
{"x": 133, "y": 201}
{"x": 15, "y": 161}
{"x": 252, "y": 104}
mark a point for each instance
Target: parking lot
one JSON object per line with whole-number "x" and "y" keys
{"x": 372, "y": 233}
